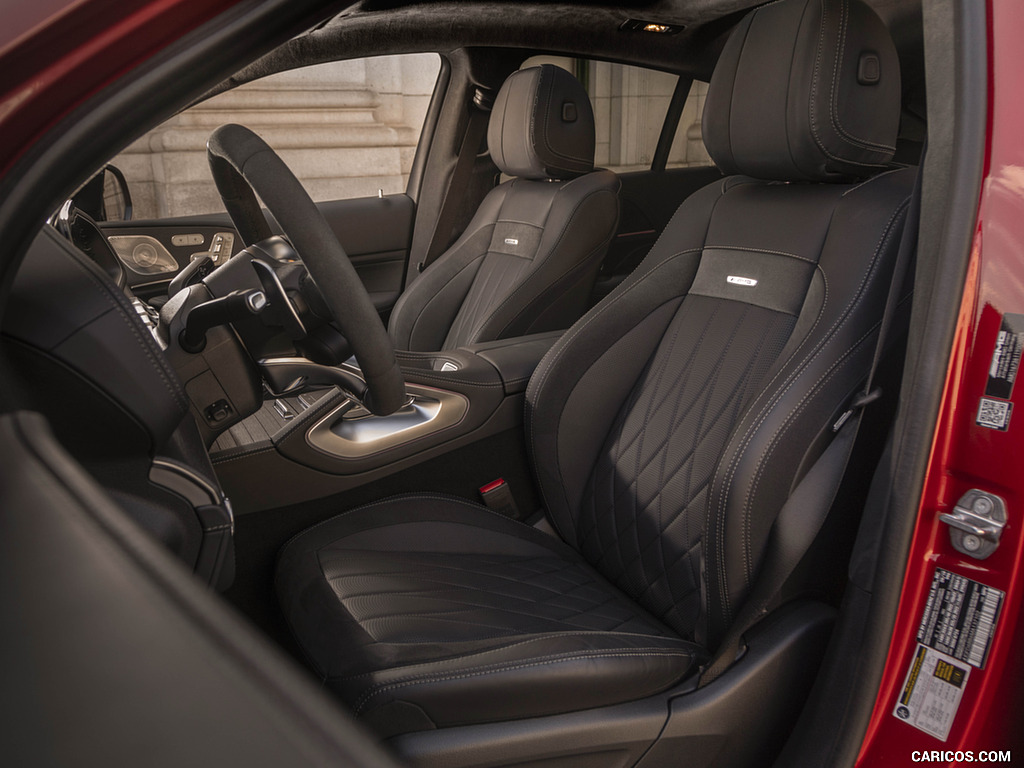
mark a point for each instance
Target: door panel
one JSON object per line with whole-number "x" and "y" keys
{"x": 375, "y": 232}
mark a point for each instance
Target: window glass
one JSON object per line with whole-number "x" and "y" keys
{"x": 346, "y": 129}
{"x": 630, "y": 105}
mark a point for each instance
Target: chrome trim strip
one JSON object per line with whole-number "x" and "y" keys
{"x": 351, "y": 432}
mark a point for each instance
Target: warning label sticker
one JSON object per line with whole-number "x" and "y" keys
{"x": 932, "y": 691}
{"x": 960, "y": 617}
{"x": 1002, "y": 372}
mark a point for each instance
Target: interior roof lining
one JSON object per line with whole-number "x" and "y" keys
{"x": 372, "y": 27}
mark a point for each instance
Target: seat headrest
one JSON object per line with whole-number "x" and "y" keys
{"x": 805, "y": 90}
{"x": 542, "y": 125}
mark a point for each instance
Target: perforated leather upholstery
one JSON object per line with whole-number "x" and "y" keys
{"x": 667, "y": 429}
{"x": 527, "y": 261}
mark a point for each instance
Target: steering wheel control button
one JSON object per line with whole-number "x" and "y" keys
{"x": 976, "y": 523}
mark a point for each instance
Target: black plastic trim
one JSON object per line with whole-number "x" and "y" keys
{"x": 426, "y": 141}
{"x": 670, "y": 126}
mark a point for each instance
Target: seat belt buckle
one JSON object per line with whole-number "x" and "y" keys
{"x": 858, "y": 402}
{"x": 497, "y": 497}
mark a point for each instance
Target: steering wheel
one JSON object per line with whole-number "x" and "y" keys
{"x": 243, "y": 166}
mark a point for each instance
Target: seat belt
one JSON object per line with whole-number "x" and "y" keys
{"x": 805, "y": 512}
{"x": 440, "y": 239}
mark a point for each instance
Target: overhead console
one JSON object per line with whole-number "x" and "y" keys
{"x": 323, "y": 442}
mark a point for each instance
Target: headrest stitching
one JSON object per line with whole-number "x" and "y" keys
{"x": 813, "y": 105}
{"x": 848, "y": 137}
{"x": 547, "y": 116}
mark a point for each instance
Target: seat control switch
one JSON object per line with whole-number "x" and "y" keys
{"x": 976, "y": 523}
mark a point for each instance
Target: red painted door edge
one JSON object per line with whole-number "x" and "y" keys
{"x": 968, "y": 455}
{"x": 78, "y": 51}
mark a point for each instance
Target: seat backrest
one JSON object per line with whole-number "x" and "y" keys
{"x": 671, "y": 423}
{"x": 528, "y": 259}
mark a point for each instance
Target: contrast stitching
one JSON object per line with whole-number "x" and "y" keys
{"x": 855, "y": 187}
{"x": 827, "y": 339}
{"x": 547, "y": 116}
{"x": 537, "y": 639}
{"x": 516, "y": 221}
{"x": 451, "y": 380}
{"x": 172, "y": 387}
{"x": 573, "y": 268}
{"x": 800, "y": 406}
{"x": 359, "y": 706}
{"x": 539, "y": 262}
{"x": 834, "y": 94}
{"x": 557, "y": 351}
{"x": 549, "y": 361}
{"x": 758, "y": 250}
{"x": 245, "y": 455}
{"x": 734, "y": 464}
{"x": 408, "y": 497}
{"x": 473, "y": 259}
{"x": 814, "y": 106}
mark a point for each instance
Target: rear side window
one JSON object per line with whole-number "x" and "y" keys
{"x": 630, "y": 108}
{"x": 346, "y": 129}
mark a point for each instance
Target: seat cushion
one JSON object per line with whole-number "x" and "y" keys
{"x": 426, "y": 611}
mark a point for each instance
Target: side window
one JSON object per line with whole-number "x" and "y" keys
{"x": 346, "y": 129}
{"x": 630, "y": 107}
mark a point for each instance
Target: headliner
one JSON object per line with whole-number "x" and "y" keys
{"x": 372, "y": 27}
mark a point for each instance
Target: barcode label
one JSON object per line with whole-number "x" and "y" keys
{"x": 960, "y": 617}
{"x": 994, "y": 414}
{"x": 986, "y": 624}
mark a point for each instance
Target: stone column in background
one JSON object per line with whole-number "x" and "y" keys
{"x": 346, "y": 129}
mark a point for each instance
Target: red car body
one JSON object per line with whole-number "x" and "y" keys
{"x": 965, "y": 455}
{"x": 55, "y": 56}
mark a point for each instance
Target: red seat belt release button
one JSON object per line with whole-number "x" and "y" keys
{"x": 497, "y": 497}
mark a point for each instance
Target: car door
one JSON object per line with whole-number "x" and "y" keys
{"x": 349, "y": 130}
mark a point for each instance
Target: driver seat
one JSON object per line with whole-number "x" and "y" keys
{"x": 529, "y": 257}
{"x": 667, "y": 429}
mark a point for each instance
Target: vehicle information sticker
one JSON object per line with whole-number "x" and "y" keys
{"x": 960, "y": 617}
{"x": 1002, "y": 372}
{"x": 932, "y": 691}
{"x": 995, "y": 408}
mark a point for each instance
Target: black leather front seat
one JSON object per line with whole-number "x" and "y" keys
{"x": 528, "y": 259}
{"x": 667, "y": 427}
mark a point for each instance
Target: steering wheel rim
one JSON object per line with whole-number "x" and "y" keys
{"x": 243, "y": 165}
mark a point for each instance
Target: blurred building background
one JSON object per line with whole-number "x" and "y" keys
{"x": 348, "y": 129}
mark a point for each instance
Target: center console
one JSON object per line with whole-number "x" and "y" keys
{"x": 295, "y": 449}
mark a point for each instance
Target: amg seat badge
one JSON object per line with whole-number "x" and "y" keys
{"x": 748, "y": 281}
{"x": 511, "y": 241}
